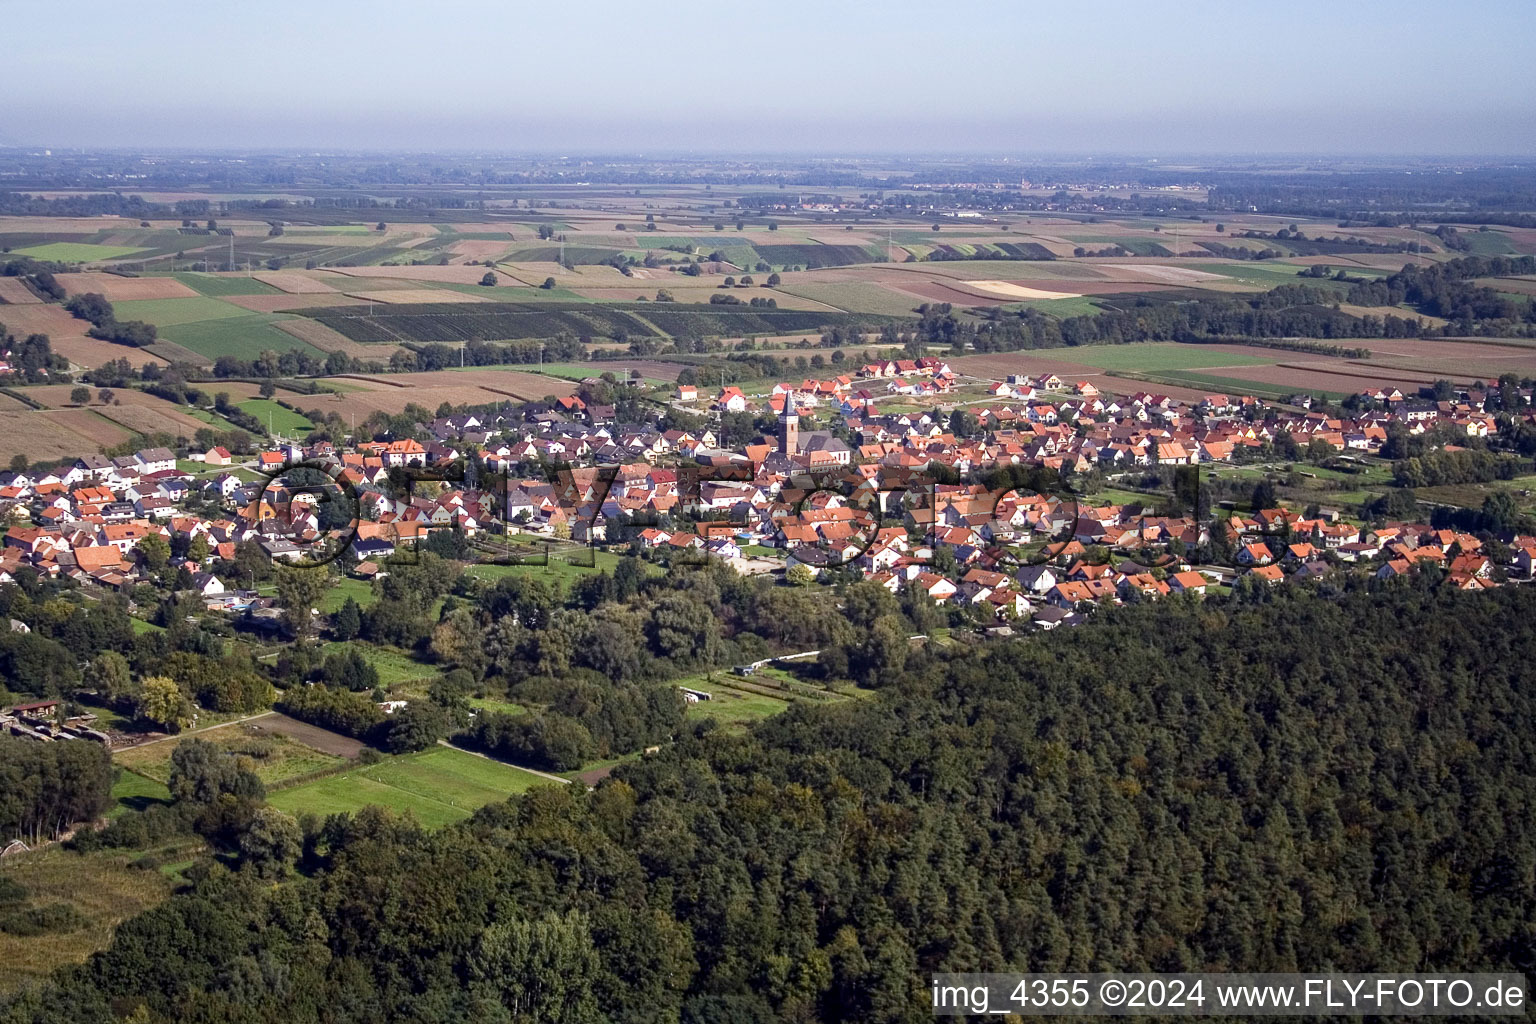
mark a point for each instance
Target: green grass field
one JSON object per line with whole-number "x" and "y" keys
{"x": 134, "y": 792}
{"x": 731, "y": 707}
{"x": 360, "y": 591}
{"x": 172, "y": 312}
{"x": 439, "y": 786}
{"x": 244, "y": 336}
{"x": 283, "y": 421}
{"x": 1081, "y": 305}
{"x": 393, "y": 664}
{"x": 853, "y": 296}
{"x": 77, "y": 252}
{"x": 209, "y": 284}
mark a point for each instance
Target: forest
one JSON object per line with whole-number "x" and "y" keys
{"x": 1310, "y": 779}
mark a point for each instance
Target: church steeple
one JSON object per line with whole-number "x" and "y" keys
{"x": 789, "y": 427}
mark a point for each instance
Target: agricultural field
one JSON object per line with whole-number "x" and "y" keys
{"x": 438, "y": 786}
{"x": 77, "y": 252}
{"x": 224, "y": 285}
{"x": 245, "y": 336}
{"x": 1156, "y": 356}
{"x": 273, "y": 756}
{"x": 566, "y": 563}
{"x": 173, "y": 312}
{"x": 117, "y": 288}
{"x": 13, "y": 290}
{"x": 281, "y": 420}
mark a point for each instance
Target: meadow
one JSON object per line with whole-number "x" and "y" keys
{"x": 245, "y": 336}
{"x": 173, "y": 312}
{"x": 77, "y": 252}
{"x": 394, "y": 665}
{"x": 438, "y": 786}
{"x": 218, "y": 286}
{"x": 282, "y": 420}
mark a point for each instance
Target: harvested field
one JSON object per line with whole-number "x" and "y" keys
{"x": 456, "y": 274}
{"x": 956, "y": 295}
{"x": 512, "y": 382}
{"x": 12, "y": 291}
{"x": 53, "y": 435}
{"x": 393, "y": 392}
{"x": 9, "y": 404}
{"x": 659, "y": 369}
{"x": 1448, "y": 348}
{"x": 313, "y": 332}
{"x": 68, "y": 335}
{"x": 968, "y": 270}
{"x": 1159, "y": 272}
{"x": 125, "y": 289}
{"x": 279, "y": 303}
{"x": 484, "y": 249}
{"x": 89, "y": 424}
{"x": 294, "y": 282}
{"x": 147, "y": 420}
{"x": 1516, "y": 285}
{"x": 1310, "y": 377}
{"x": 411, "y": 294}
{"x": 1007, "y": 289}
{"x": 323, "y": 740}
{"x": 42, "y": 318}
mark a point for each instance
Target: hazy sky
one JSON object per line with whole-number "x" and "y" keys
{"x": 1411, "y": 76}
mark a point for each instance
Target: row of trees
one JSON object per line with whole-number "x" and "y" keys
{"x": 95, "y": 308}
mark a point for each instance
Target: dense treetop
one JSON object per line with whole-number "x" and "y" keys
{"x": 1305, "y": 782}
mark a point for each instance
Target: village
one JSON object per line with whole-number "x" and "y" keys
{"x": 892, "y": 497}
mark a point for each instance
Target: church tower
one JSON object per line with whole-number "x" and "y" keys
{"x": 789, "y": 427}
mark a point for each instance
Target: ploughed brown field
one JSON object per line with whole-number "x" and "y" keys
{"x": 294, "y": 281}
{"x": 124, "y": 289}
{"x": 391, "y": 393}
{"x": 146, "y": 419}
{"x": 55, "y": 434}
{"x": 12, "y": 291}
{"x": 67, "y": 335}
{"x": 453, "y": 274}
